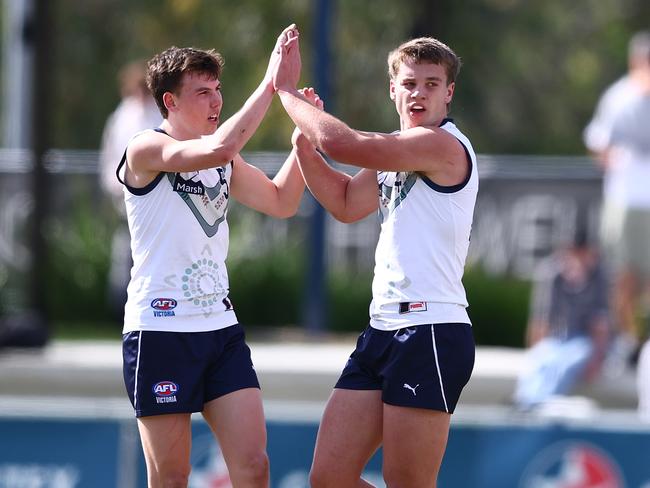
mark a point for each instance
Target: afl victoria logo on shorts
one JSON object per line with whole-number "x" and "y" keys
{"x": 165, "y": 391}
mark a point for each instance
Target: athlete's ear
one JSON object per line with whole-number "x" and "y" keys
{"x": 391, "y": 90}
{"x": 169, "y": 101}
{"x": 450, "y": 92}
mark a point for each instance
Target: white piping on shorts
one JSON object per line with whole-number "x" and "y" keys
{"x": 137, "y": 369}
{"x": 435, "y": 355}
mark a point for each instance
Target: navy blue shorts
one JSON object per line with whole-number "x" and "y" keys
{"x": 178, "y": 372}
{"x": 425, "y": 366}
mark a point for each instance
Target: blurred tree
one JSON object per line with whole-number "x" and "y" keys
{"x": 101, "y": 35}
{"x": 533, "y": 70}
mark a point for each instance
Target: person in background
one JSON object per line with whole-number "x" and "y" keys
{"x": 136, "y": 111}
{"x": 569, "y": 326}
{"x": 619, "y": 138}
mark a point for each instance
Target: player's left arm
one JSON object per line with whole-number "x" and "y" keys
{"x": 430, "y": 150}
{"x": 278, "y": 197}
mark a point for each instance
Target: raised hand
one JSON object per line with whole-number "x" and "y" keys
{"x": 290, "y": 32}
{"x": 287, "y": 72}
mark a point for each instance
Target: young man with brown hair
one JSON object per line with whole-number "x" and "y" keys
{"x": 183, "y": 348}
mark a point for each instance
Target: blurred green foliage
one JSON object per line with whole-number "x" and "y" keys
{"x": 532, "y": 70}
{"x": 266, "y": 288}
{"x": 498, "y": 307}
{"x": 78, "y": 263}
{"x": 532, "y": 74}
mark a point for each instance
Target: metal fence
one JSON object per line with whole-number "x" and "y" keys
{"x": 527, "y": 207}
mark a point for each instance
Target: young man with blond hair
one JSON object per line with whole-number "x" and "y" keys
{"x": 401, "y": 384}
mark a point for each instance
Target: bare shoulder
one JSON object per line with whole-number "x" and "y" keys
{"x": 445, "y": 159}
{"x": 433, "y": 142}
{"x": 146, "y": 146}
{"x": 428, "y": 135}
{"x": 144, "y": 158}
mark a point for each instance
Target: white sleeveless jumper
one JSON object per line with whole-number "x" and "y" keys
{"x": 179, "y": 243}
{"x": 423, "y": 244}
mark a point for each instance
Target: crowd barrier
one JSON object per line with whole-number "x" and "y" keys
{"x": 59, "y": 446}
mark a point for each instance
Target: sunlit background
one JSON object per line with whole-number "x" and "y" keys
{"x": 532, "y": 74}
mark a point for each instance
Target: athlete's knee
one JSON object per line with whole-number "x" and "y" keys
{"x": 177, "y": 478}
{"x": 257, "y": 468}
{"x": 317, "y": 478}
{"x": 403, "y": 477}
{"x": 253, "y": 470}
{"x": 322, "y": 476}
{"x": 168, "y": 476}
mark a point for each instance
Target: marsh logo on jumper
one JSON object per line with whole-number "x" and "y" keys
{"x": 165, "y": 392}
{"x": 572, "y": 465}
{"x": 181, "y": 185}
{"x": 206, "y": 193}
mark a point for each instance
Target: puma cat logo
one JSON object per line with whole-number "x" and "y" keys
{"x": 412, "y": 388}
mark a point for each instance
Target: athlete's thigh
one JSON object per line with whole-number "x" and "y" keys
{"x": 237, "y": 419}
{"x": 166, "y": 441}
{"x": 349, "y": 433}
{"x": 414, "y": 444}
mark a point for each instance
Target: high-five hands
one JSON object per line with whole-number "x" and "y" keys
{"x": 288, "y": 37}
{"x": 287, "y": 72}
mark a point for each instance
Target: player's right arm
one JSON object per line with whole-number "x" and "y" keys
{"x": 347, "y": 198}
{"x": 153, "y": 152}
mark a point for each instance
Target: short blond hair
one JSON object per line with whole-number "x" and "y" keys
{"x": 427, "y": 50}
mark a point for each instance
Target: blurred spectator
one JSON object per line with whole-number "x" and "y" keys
{"x": 643, "y": 381}
{"x": 619, "y": 137}
{"x": 568, "y": 329}
{"x": 136, "y": 111}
